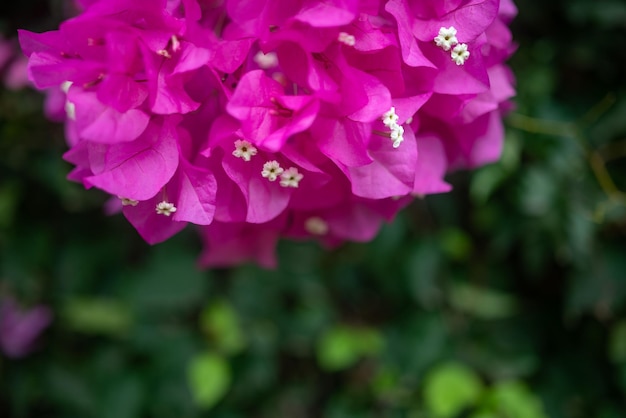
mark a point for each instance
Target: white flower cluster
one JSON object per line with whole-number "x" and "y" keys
{"x": 446, "y": 40}
{"x": 288, "y": 178}
{"x": 346, "y": 38}
{"x": 271, "y": 169}
{"x": 390, "y": 119}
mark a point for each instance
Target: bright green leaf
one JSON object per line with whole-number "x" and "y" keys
{"x": 343, "y": 346}
{"x": 209, "y": 378}
{"x": 219, "y": 320}
{"x": 513, "y": 400}
{"x": 450, "y": 388}
{"x": 484, "y": 414}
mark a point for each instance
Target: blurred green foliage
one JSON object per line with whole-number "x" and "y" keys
{"x": 503, "y": 299}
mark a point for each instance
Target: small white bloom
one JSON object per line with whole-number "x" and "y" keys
{"x": 271, "y": 170}
{"x": 70, "y": 110}
{"x": 165, "y": 208}
{"x": 390, "y": 118}
{"x": 446, "y": 38}
{"x": 128, "y": 202}
{"x": 164, "y": 53}
{"x": 290, "y": 178}
{"x": 460, "y": 54}
{"x": 65, "y": 86}
{"x": 175, "y": 42}
{"x": 346, "y": 38}
{"x": 316, "y": 226}
{"x": 244, "y": 149}
{"x": 397, "y": 135}
{"x": 265, "y": 61}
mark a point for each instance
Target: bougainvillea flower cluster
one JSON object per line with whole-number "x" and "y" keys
{"x": 258, "y": 120}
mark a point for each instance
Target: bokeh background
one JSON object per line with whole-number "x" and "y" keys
{"x": 503, "y": 299}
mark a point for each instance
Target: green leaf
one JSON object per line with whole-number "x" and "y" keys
{"x": 422, "y": 268}
{"x": 450, "y": 388}
{"x": 71, "y": 390}
{"x": 483, "y": 414}
{"x": 455, "y": 243}
{"x": 481, "y": 302}
{"x": 513, "y": 399}
{"x": 617, "y": 343}
{"x": 9, "y": 198}
{"x": 209, "y": 378}
{"x": 342, "y": 346}
{"x": 220, "y": 321}
{"x": 171, "y": 281}
{"x": 97, "y": 316}
{"x": 485, "y": 181}
{"x": 122, "y": 399}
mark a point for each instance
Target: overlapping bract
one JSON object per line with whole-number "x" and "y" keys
{"x": 282, "y": 118}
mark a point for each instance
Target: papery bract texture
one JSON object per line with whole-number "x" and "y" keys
{"x": 285, "y": 118}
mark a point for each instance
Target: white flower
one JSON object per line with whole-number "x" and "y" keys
{"x": 271, "y": 170}
{"x": 70, "y": 110}
{"x": 165, "y": 208}
{"x": 164, "y": 53}
{"x": 290, "y": 178}
{"x": 128, "y": 202}
{"x": 244, "y": 149}
{"x": 265, "y": 61}
{"x": 65, "y": 86}
{"x": 175, "y": 42}
{"x": 460, "y": 54}
{"x": 316, "y": 226}
{"x": 346, "y": 38}
{"x": 390, "y": 118}
{"x": 397, "y": 135}
{"x": 446, "y": 38}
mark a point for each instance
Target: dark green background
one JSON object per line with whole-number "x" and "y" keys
{"x": 503, "y": 299}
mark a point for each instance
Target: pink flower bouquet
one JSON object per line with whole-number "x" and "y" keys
{"x": 258, "y": 120}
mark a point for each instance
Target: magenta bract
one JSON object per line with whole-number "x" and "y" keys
{"x": 285, "y": 118}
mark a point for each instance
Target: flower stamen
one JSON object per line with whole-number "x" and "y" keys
{"x": 164, "y": 53}
{"x": 390, "y": 120}
{"x": 460, "y": 54}
{"x": 244, "y": 149}
{"x": 271, "y": 170}
{"x": 346, "y": 38}
{"x": 291, "y": 177}
{"x": 265, "y": 61}
{"x": 165, "y": 208}
{"x": 397, "y": 135}
{"x": 446, "y": 38}
{"x": 128, "y": 202}
{"x": 316, "y": 226}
